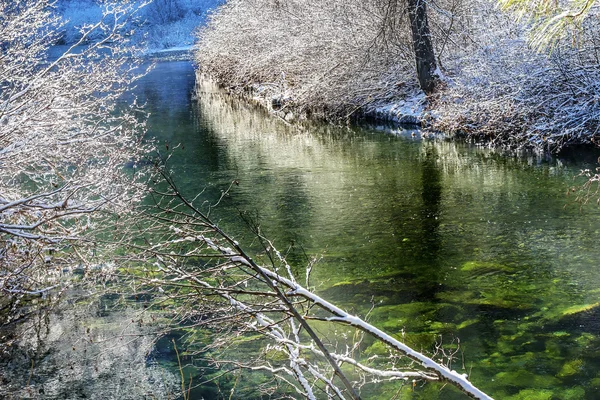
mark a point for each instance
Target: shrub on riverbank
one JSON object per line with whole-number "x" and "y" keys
{"x": 64, "y": 139}
{"x": 335, "y": 59}
{"x": 328, "y": 59}
{"x": 506, "y": 93}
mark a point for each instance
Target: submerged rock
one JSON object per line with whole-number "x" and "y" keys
{"x": 485, "y": 267}
{"x": 570, "y": 368}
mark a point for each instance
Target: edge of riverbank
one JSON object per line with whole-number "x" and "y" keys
{"x": 411, "y": 110}
{"x": 438, "y": 116}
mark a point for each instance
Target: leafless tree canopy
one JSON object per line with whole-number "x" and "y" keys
{"x": 324, "y": 57}
{"x": 504, "y": 91}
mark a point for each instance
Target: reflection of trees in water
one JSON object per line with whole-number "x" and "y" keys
{"x": 415, "y": 218}
{"x": 294, "y": 209}
{"x": 346, "y": 188}
{"x": 382, "y": 204}
{"x": 429, "y": 238}
{"x": 277, "y": 166}
{"x": 80, "y": 350}
{"x": 431, "y": 195}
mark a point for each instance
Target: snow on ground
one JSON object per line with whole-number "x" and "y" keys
{"x": 410, "y": 110}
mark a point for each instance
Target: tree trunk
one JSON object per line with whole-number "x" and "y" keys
{"x": 424, "y": 55}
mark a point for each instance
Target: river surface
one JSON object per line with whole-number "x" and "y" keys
{"x": 449, "y": 240}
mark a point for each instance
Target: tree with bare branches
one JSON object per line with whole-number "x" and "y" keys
{"x": 421, "y": 37}
{"x": 65, "y": 140}
{"x": 331, "y": 59}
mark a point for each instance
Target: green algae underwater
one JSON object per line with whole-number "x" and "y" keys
{"x": 453, "y": 244}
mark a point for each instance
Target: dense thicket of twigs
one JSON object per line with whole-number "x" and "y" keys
{"x": 336, "y": 58}
{"x": 64, "y": 143}
{"x": 504, "y": 91}
{"x": 329, "y": 58}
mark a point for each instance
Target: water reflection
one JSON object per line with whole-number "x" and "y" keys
{"x": 430, "y": 239}
{"x": 85, "y": 348}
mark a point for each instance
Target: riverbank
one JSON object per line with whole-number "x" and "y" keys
{"x": 410, "y": 111}
{"x": 314, "y": 61}
{"x": 439, "y": 116}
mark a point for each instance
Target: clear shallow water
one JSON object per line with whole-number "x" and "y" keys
{"x": 447, "y": 239}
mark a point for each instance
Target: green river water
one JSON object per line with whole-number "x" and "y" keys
{"x": 449, "y": 240}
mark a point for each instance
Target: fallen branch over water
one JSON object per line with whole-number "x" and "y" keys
{"x": 214, "y": 283}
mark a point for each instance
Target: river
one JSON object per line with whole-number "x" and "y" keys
{"x": 451, "y": 241}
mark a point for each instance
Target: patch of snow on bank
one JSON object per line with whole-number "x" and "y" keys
{"x": 407, "y": 111}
